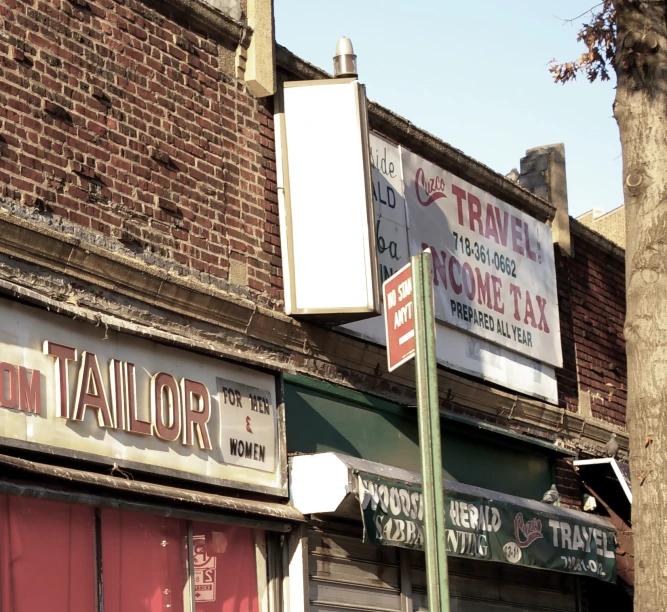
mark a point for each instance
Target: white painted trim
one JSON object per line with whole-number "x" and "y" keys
{"x": 295, "y": 582}
{"x": 614, "y": 466}
{"x": 621, "y": 479}
{"x": 592, "y": 461}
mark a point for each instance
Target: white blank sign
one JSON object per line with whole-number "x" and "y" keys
{"x": 328, "y": 240}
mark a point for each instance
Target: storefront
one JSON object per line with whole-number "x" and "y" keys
{"x": 363, "y": 545}
{"x": 136, "y": 477}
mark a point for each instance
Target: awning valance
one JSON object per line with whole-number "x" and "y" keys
{"x": 480, "y": 523}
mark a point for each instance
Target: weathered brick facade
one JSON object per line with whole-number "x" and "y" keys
{"x": 568, "y": 484}
{"x": 126, "y": 118}
{"x": 138, "y": 190}
{"x": 130, "y": 119}
{"x": 591, "y": 290}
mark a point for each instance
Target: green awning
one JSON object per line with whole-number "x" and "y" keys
{"x": 481, "y": 524}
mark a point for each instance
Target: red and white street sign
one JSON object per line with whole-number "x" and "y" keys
{"x": 399, "y": 320}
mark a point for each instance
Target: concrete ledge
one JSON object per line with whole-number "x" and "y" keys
{"x": 260, "y": 71}
{"x": 116, "y": 272}
{"x": 184, "y": 312}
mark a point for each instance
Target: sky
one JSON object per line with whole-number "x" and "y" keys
{"x": 475, "y": 74}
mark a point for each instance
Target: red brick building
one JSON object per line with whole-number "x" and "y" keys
{"x": 139, "y": 203}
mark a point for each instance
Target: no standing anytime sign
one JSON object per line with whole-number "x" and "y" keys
{"x": 399, "y": 317}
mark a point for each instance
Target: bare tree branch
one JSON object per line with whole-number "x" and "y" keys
{"x": 590, "y": 10}
{"x": 599, "y": 36}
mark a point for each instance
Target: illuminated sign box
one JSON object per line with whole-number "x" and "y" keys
{"x": 326, "y": 202}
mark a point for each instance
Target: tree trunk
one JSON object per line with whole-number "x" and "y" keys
{"x": 641, "y": 113}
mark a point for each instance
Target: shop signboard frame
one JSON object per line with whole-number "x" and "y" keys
{"x": 116, "y": 386}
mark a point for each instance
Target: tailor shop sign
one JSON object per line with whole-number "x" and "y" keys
{"x": 93, "y": 393}
{"x": 478, "y": 528}
{"x": 494, "y": 274}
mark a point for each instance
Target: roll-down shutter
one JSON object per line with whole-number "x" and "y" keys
{"x": 346, "y": 574}
{"x": 484, "y": 586}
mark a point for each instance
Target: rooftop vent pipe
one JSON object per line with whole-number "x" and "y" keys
{"x": 345, "y": 61}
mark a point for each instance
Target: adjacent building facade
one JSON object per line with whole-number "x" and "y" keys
{"x": 163, "y": 358}
{"x": 610, "y": 224}
{"x": 143, "y": 465}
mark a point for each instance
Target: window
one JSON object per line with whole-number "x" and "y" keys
{"x": 225, "y": 569}
{"x": 47, "y": 556}
{"x": 144, "y": 562}
{"x": 50, "y": 560}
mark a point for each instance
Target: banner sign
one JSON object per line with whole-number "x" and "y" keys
{"x": 88, "y": 392}
{"x": 389, "y": 204}
{"x": 493, "y": 266}
{"x": 480, "y": 528}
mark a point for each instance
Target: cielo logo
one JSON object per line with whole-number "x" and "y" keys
{"x": 525, "y": 533}
{"x": 428, "y": 190}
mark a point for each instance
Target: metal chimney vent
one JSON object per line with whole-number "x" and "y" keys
{"x": 345, "y": 61}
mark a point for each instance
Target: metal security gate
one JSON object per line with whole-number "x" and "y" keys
{"x": 347, "y": 575}
{"x": 484, "y": 586}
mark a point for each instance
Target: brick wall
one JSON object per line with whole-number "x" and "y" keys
{"x": 568, "y": 484}
{"x": 611, "y": 224}
{"x": 591, "y": 292}
{"x": 126, "y": 120}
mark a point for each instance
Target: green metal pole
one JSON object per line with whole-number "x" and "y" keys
{"x": 426, "y": 372}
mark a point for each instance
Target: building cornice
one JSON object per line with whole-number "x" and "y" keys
{"x": 73, "y": 276}
{"x": 402, "y": 131}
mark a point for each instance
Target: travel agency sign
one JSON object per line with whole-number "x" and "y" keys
{"x": 493, "y": 266}
{"x": 512, "y": 530}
